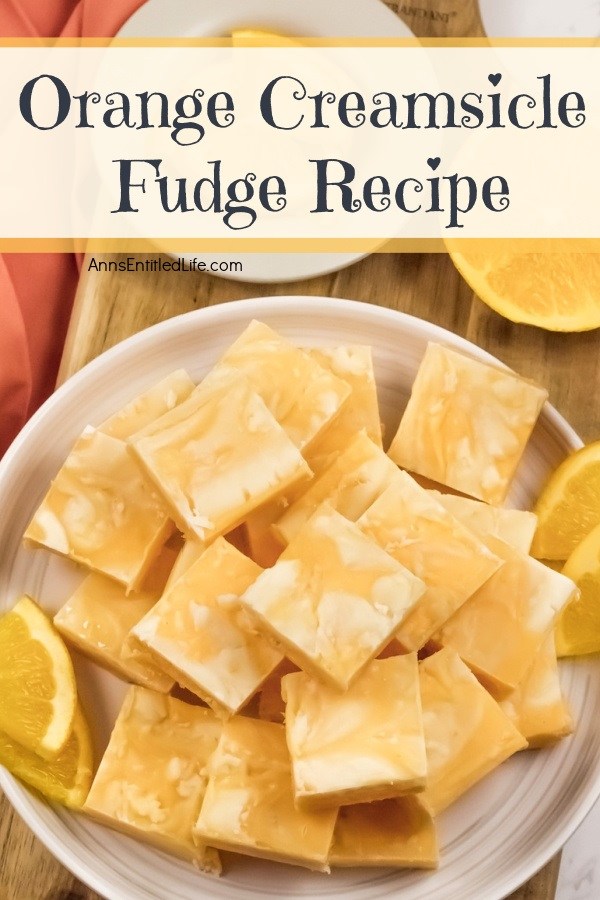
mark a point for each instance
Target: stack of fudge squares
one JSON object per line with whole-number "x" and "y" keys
{"x": 358, "y": 645}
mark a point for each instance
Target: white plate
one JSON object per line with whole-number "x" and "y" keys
{"x": 540, "y": 18}
{"x": 496, "y": 836}
{"x": 306, "y": 18}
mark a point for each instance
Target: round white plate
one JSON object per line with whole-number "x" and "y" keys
{"x": 306, "y": 18}
{"x": 496, "y": 836}
{"x": 540, "y": 18}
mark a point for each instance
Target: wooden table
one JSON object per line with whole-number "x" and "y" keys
{"x": 110, "y": 307}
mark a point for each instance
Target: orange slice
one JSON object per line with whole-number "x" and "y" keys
{"x": 555, "y": 291}
{"x": 67, "y": 778}
{"x": 38, "y": 696}
{"x": 578, "y": 628}
{"x": 569, "y": 505}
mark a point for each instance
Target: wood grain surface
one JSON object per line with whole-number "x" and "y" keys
{"x": 111, "y": 306}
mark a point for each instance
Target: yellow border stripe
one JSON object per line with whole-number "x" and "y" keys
{"x": 299, "y": 42}
{"x": 292, "y": 245}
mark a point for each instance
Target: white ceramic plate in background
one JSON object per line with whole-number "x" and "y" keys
{"x": 541, "y": 18}
{"x": 306, "y": 18}
{"x": 495, "y": 837}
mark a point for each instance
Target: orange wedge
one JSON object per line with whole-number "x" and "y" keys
{"x": 38, "y": 696}
{"x": 569, "y": 505}
{"x": 578, "y": 628}
{"x": 67, "y": 778}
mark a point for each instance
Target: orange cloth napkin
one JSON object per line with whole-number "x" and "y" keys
{"x": 37, "y": 289}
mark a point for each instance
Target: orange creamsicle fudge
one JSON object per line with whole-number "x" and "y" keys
{"x": 219, "y": 456}
{"x": 191, "y": 551}
{"x": 466, "y": 424}
{"x": 333, "y": 599}
{"x": 98, "y": 617}
{"x": 396, "y": 832}
{"x": 271, "y": 705}
{"x": 354, "y": 365}
{"x": 153, "y": 775}
{"x": 537, "y": 707}
{"x": 421, "y": 534}
{"x": 249, "y": 805}
{"x": 360, "y": 745}
{"x": 149, "y": 406}
{"x": 515, "y": 527}
{"x": 350, "y": 484}
{"x": 302, "y": 395}
{"x": 263, "y": 545}
{"x": 103, "y": 511}
{"x": 499, "y": 630}
{"x": 198, "y": 633}
{"x": 466, "y": 733}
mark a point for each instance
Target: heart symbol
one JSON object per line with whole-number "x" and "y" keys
{"x": 494, "y": 79}
{"x": 433, "y": 162}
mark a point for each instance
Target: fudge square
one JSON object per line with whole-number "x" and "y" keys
{"x": 187, "y": 556}
{"x": 217, "y": 457}
{"x": 537, "y": 707}
{"x": 350, "y": 484}
{"x": 197, "y": 634}
{"x": 103, "y": 511}
{"x": 352, "y": 363}
{"x": 99, "y": 615}
{"x": 152, "y": 777}
{"x": 396, "y": 832}
{"x": 249, "y": 805}
{"x": 466, "y": 424}
{"x": 149, "y": 406}
{"x": 333, "y": 599}
{"x": 302, "y": 395}
{"x": 466, "y": 733}
{"x": 360, "y": 745}
{"x": 421, "y": 534}
{"x": 515, "y": 527}
{"x": 499, "y": 630}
